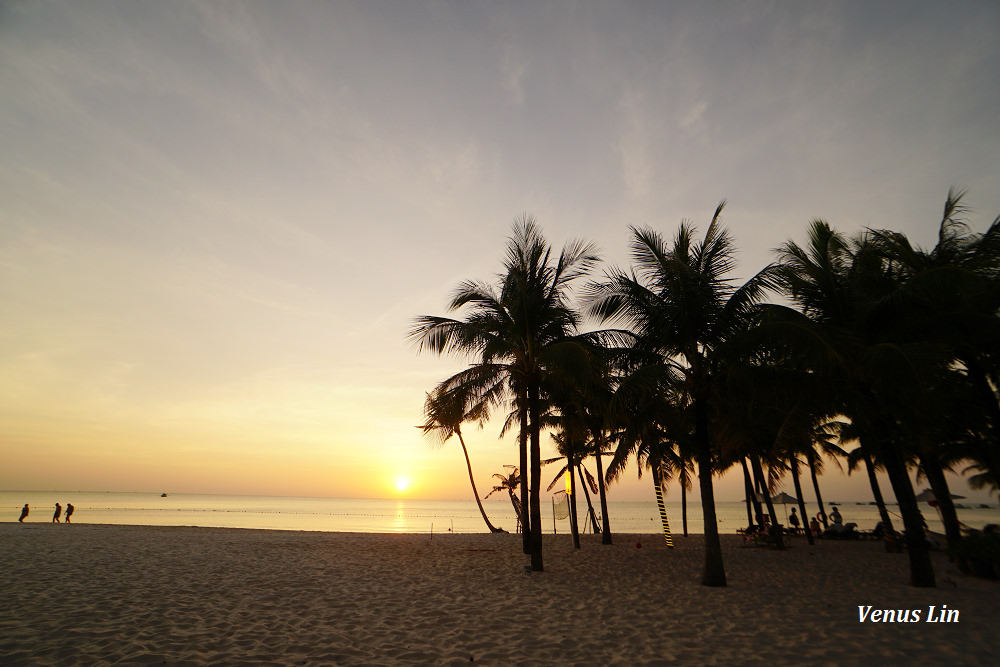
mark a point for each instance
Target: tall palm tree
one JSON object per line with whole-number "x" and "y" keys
{"x": 681, "y": 306}
{"x": 519, "y": 332}
{"x": 445, "y": 412}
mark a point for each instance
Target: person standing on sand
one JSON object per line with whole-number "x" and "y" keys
{"x": 58, "y": 513}
{"x": 69, "y": 511}
{"x": 24, "y": 513}
{"x": 792, "y": 519}
{"x": 835, "y": 516}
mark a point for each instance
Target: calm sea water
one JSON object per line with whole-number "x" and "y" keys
{"x": 367, "y": 515}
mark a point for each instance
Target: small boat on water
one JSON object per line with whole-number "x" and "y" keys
{"x": 163, "y": 495}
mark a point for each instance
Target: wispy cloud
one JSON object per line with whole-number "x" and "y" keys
{"x": 634, "y": 143}
{"x": 513, "y": 69}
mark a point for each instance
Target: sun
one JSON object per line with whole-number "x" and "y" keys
{"x": 402, "y": 483}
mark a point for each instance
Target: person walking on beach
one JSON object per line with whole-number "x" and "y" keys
{"x": 24, "y": 513}
{"x": 792, "y": 519}
{"x": 69, "y": 511}
{"x": 58, "y": 513}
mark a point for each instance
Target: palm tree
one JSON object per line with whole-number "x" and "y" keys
{"x": 681, "y": 307}
{"x": 572, "y": 449}
{"x": 519, "y": 331}
{"x": 509, "y": 482}
{"x": 583, "y": 401}
{"x": 445, "y": 412}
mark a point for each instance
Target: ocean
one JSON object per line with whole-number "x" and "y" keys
{"x": 374, "y": 515}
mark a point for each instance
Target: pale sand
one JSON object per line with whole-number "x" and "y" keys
{"x": 96, "y": 595}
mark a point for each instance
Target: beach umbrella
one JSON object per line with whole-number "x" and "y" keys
{"x": 927, "y": 496}
{"x": 784, "y": 499}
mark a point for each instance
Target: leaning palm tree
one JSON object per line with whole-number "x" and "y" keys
{"x": 518, "y": 332}
{"x": 681, "y": 307}
{"x": 445, "y": 412}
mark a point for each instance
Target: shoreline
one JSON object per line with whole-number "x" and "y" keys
{"x": 101, "y": 593}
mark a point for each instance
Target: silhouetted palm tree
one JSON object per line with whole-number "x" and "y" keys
{"x": 571, "y": 445}
{"x": 509, "y": 482}
{"x": 445, "y": 412}
{"x": 681, "y": 306}
{"x": 519, "y": 332}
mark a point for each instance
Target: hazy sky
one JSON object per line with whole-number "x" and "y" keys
{"x": 218, "y": 220}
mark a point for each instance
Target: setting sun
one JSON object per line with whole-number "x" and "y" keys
{"x": 402, "y": 483}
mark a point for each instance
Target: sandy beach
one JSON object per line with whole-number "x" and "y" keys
{"x": 102, "y": 595}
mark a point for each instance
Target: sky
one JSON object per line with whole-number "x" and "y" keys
{"x": 219, "y": 220}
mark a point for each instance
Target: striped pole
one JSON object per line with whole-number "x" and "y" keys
{"x": 663, "y": 518}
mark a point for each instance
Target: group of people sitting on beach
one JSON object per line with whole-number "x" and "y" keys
{"x": 836, "y": 529}
{"x": 55, "y": 516}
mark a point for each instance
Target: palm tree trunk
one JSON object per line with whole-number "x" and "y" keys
{"x": 779, "y": 542}
{"x": 802, "y": 503}
{"x": 949, "y": 517}
{"x": 574, "y": 525}
{"x": 473, "y": 481}
{"x": 684, "y": 507}
{"x": 535, "y": 456}
{"x": 605, "y": 524}
{"x": 758, "y": 494}
{"x": 714, "y": 573}
{"x": 751, "y": 497}
{"x": 516, "y": 502}
{"x": 522, "y": 415}
{"x": 664, "y": 522}
{"x": 811, "y": 458}
{"x": 921, "y": 567}
{"x": 586, "y": 494}
{"x": 876, "y": 490}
